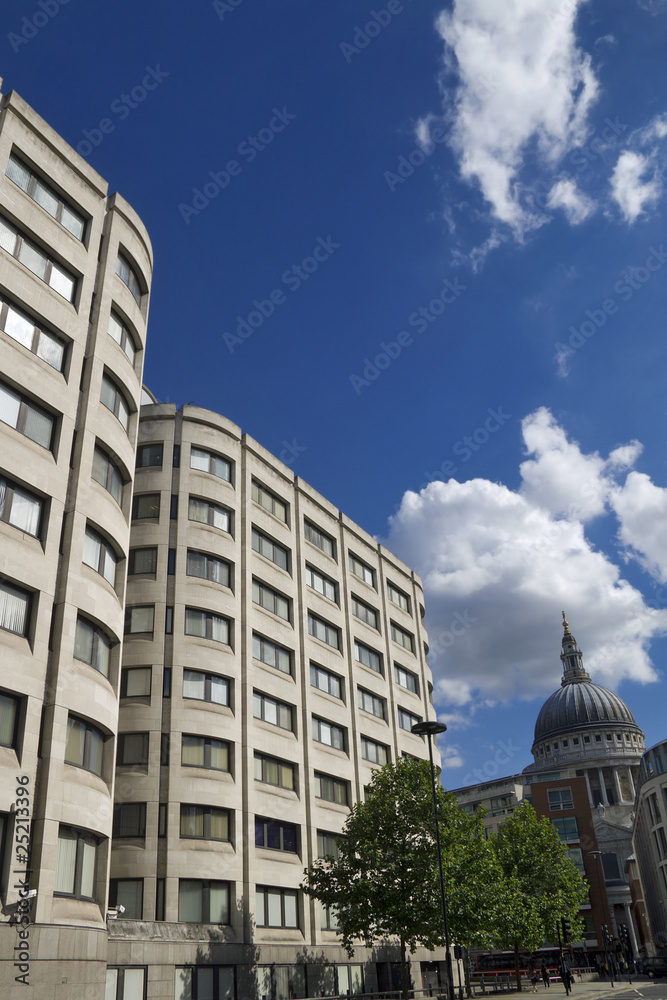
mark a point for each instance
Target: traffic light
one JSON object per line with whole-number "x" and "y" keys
{"x": 566, "y": 925}
{"x": 458, "y": 952}
{"x": 605, "y": 934}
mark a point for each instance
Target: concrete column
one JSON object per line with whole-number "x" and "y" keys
{"x": 631, "y": 927}
{"x": 617, "y": 785}
{"x": 603, "y": 790}
{"x": 588, "y": 787}
{"x": 632, "y": 783}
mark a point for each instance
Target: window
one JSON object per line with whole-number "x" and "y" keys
{"x": 327, "y": 681}
{"x": 92, "y": 645}
{"x": 364, "y": 612}
{"x": 271, "y": 600}
{"x": 328, "y": 918}
{"x": 406, "y": 720}
{"x": 270, "y": 550}
{"x": 406, "y": 679}
{"x": 139, "y": 620}
{"x": 108, "y": 475}
{"x": 276, "y": 907}
{"x": 14, "y": 609}
{"x": 368, "y": 657}
{"x": 660, "y": 842}
{"x": 85, "y": 745}
{"x": 331, "y": 789}
{"x": 372, "y": 704}
{"x": 397, "y": 597}
{"x": 327, "y": 844}
{"x": 115, "y": 401}
{"x": 98, "y": 554}
{"x": 363, "y": 571}
{"x": 323, "y": 631}
{"x": 125, "y": 984}
{"x": 120, "y": 333}
{"x": 502, "y": 805}
{"x": 283, "y": 981}
{"x": 207, "y": 461}
{"x": 206, "y": 625}
{"x": 576, "y": 856}
{"x": 204, "y": 751}
{"x": 567, "y": 828}
{"x": 275, "y": 835}
{"x": 128, "y": 277}
{"x": 149, "y": 456}
{"x": 269, "y": 501}
{"x": 204, "y": 822}
{"x": 272, "y": 771}
{"x": 374, "y": 753}
{"x": 208, "y": 568}
{"x": 32, "y": 335}
{"x": 136, "y": 682}
{"x": 269, "y": 710}
{"x": 37, "y": 261}
{"x": 45, "y": 196}
{"x": 205, "y": 687}
{"x": 203, "y": 901}
{"x": 76, "y": 862}
{"x": 19, "y": 508}
{"x": 129, "y": 819}
{"x": 142, "y": 561}
{"x": 328, "y": 734}
{"x": 560, "y": 798}
{"x": 129, "y": 893}
{"x": 25, "y": 417}
{"x": 209, "y": 513}
{"x": 319, "y": 538}
{"x": 610, "y": 867}
{"x": 271, "y": 654}
{"x": 322, "y": 584}
{"x": 146, "y": 505}
{"x": 9, "y": 719}
{"x": 132, "y": 750}
{"x": 205, "y": 982}
{"x": 402, "y": 637}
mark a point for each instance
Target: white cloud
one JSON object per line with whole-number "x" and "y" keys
{"x": 641, "y": 508}
{"x": 630, "y": 188}
{"x": 450, "y": 756}
{"x": 577, "y": 206}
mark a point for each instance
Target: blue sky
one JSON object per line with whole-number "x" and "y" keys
{"x": 415, "y": 249}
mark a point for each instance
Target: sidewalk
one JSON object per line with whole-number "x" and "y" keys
{"x": 595, "y": 990}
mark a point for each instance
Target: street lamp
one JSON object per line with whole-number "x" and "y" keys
{"x": 598, "y": 856}
{"x": 430, "y": 729}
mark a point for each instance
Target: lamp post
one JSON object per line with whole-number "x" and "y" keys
{"x": 598, "y": 865}
{"x": 430, "y": 729}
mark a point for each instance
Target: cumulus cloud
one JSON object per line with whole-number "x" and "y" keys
{"x": 641, "y": 508}
{"x": 577, "y": 206}
{"x": 631, "y": 188}
{"x": 498, "y": 565}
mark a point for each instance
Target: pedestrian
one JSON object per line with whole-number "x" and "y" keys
{"x": 564, "y": 970}
{"x": 545, "y": 974}
{"x": 534, "y": 978}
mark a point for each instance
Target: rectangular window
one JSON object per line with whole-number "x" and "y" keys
{"x": 76, "y": 863}
{"x": 204, "y": 751}
{"x": 271, "y": 600}
{"x": 331, "y": 789}
{"x": 325, "y": 680}
{"x": 271, "y": 550}
{"x": 328, "y": 918}
{"x": 114, "y": 400}
{"x": 129, "y": 819}
{"x": 9, "y": 718}
{"x": 37, "y": 261}
{"x": 276, "y": 907}
{"x": 139, "y": 620}
{"x": 108, "y": 475}
{"x": 576, "y": 856}
{"x": 128, "y": 893}
{"x": 329, "y": 734}
{"x": 85, "y": 745}
{"x": 146, "y": 505}
{"x": 397, "y": 597}
{"x": 127, "y": 275}
{"x": 371, "y": 703}
{"x": 406, "y": 720}
{"x": 125, "y": 984}
{"x": 25, "y": 417}
{"x": 269, "y": 710}
{"x": 203, "y": 901}
{"x": 44, "y": 195}
{"x": 271, "y": 654}
{"x": 205, "y": 687}
{"x": 368, "y": 657}
{"x": 403, "y": 638}
{"x": 324, "y": 585}
{"x": 209, "y": 513}
{"x": 320, "y": 539}
{"x": 32, "y": 335}
{"x": 19, "y": 508}
{"x": 206, "y": 982}
{"x": 323, "y": 631}
{"x": 143, "y": 561}
{"x": 272, "y": 771}
{"x": 173, "y": 508}
{"x": 374, "y": 753}
{"x": 98, "y": 554}
{"x": 567, "y": 828}
{"x": 269, "y": 501}
{"x": 136, "y": 682}
{"x": 362, "y": 570}
{"x": 206, "y": 625}
{"x": 364, "y": 612}
{"x": 406, "y": 679}
{"x": 327, "y": 844}
{"x": 92, "y": 645}
{"x": 276, "y": 835}
{"x": 149, "y": 456}
{"x": 132, "y": 750}
{"x": 120, "y": 333}
{"x": 208, "y": 567}
{"x": 14, "y": 609}
{"x": 560, "y": 798}
{"x": 204, "y": 822}
{"x": 207, "y": 461}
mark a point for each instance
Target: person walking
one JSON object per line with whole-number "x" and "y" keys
{"x": 545, "y": 974}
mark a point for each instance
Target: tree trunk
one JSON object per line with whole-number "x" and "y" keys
{"x": 517, "y": 970}
{"x": 404, "y": 971}
{"x": 466, "y": 972}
